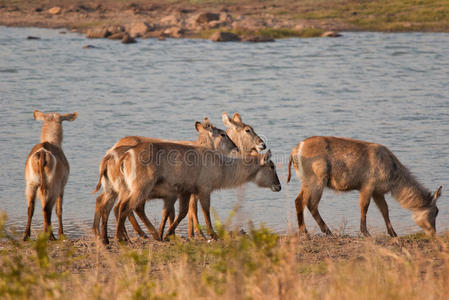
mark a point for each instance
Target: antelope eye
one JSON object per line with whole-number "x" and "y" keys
{"x": 247, "y": 130}
{"x": 223, "y": 135}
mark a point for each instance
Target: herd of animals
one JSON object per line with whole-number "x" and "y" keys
{"x": 137, "y": 169}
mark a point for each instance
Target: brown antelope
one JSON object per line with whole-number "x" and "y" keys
{"x": 186, "y": 170}
{"x": 208, "y": 136}
{"x": 344, "y": 164}
{"x": 248, "y": 142}
{"x": 47, "y": 171}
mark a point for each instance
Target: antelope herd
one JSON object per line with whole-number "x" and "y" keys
{"x": 138, "y": 169}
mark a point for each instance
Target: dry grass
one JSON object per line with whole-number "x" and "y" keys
{"x": 256, "y": 265}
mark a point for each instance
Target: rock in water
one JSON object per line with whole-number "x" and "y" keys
{"x": 331, "y": 34}
{"x": 127, "y": 39}
{"x": 257, "y": 39}
{"x": 225, "y": 37}
{"x": 97, "y": 33}
{"x": 117, "y": 36}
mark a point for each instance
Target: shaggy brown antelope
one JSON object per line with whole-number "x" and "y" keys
{"x": 208, "y": 136}
{"x": 344, "y": 164}
{"x": 187, "y": 170}
{"x": 248, "y": 142}
{"x": 47, "y": 171}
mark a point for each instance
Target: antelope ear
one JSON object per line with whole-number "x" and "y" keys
{"x": 237, "y": 118}
{"x": 69, "y": 117}
{"x": 265, "y": 158}
{"x": 39, "y": 116}
{"x": 226, "y": 120}
{"x": 206, "y": 123}
{"x": 436, "y": 195}
{"x": 268, "y": 155}
{"x": 199, "y": 127}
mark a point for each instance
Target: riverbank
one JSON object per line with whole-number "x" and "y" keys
{"x": 253, "y": 20}
{"x": 258, "y": 265}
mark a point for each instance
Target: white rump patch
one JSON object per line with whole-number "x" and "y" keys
{"x": 130, "y": 175}
{"x": 299, "y": 171}
{"x": 34, "y": 176}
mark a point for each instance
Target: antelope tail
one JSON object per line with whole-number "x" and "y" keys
{"x": 290, "y": 160}
{"x": 42, "y": 163}
{"x": 103, "y": 170}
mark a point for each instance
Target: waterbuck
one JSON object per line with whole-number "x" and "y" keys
{"x": 187, "y": 170}
{"x": 208, "y": 136}
{"x": 248, "y": 142}
{"x": 344, "y": 164}
{"x": 47, "y": 171}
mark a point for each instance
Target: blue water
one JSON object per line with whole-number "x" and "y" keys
{"x": 386, "y": 88}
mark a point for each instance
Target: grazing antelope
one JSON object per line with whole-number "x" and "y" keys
{"x": 344, "y": 164}
{"x": 208, "y": 136}
{"x": 47, "y": 171}
{"x": 187, "y": 170}
{"x": 248, "y": 142}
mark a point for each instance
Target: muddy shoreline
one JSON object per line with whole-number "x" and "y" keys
{"x": 253, "y": 21}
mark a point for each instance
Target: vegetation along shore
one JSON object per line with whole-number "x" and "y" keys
{"x": 258, "y": 264}
{"x": 227, "y": 20}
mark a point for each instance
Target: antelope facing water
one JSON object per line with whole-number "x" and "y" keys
{"x": 47, "y": 170}
{"x": 187, "y": 170}
{"x": 344, "y": 164}
{"x": 248, "y": 143}
{"x": 209, "y": 137}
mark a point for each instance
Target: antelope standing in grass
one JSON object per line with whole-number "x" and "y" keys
{"x": 47, "y": 171}
{"x": 248, "y": 142}
{"x": 344, "y": 164}
{"x": 186, "y": 170}
{"x": 208, "y": 136}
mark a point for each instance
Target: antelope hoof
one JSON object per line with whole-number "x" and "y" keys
{"x": 366, "y": 233}
{"x": 51, "y": 237}
{"x": 167, "y": 237}
{"x": 105, "y": 241}
{"x": 392, "y": 233}
{"x": 157, "y": 237}
{"x": 213, "y": 236}
{"x": 26, "y": 237}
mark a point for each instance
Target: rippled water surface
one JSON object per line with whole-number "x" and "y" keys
{"x": 387, "y": 88}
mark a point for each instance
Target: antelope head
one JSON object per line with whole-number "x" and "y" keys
{"x": 243, "y": 135}
{"x": 214, "y": 138}
{"x": 52, "y": 127}
{"x": 426, "y": 217}
{"x": 267, "y": 176}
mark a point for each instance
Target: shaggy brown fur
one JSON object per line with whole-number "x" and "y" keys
{"x": 187, "y": 170}
{"x": 344, "y": 164}
{"x": 208, "y": 136}
{"x": 47, "y": 171}
{"x": 248, "y": 142}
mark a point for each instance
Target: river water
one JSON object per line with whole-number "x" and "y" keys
{"x": 391, "y": 89}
